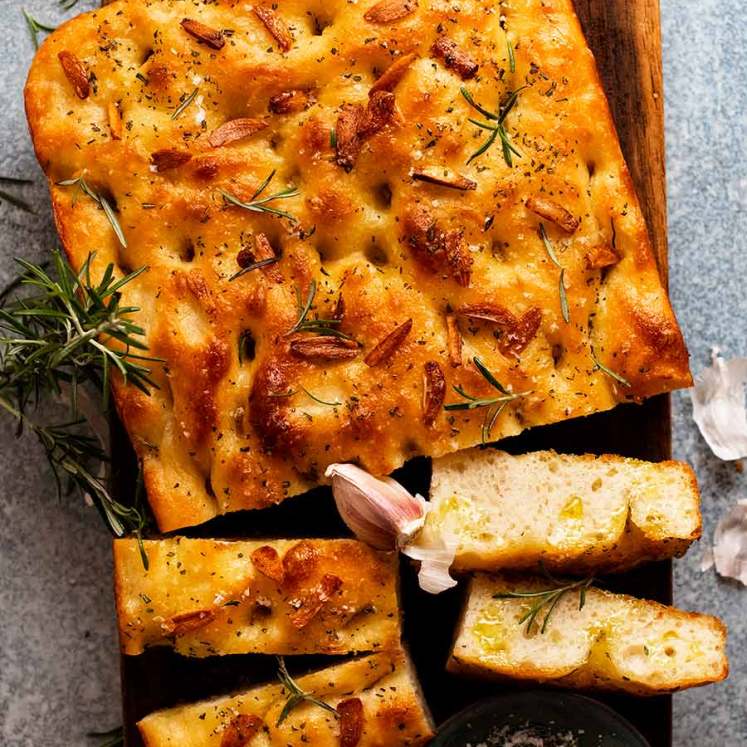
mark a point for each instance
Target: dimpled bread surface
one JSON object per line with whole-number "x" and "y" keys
{"x": 532, "y": 256}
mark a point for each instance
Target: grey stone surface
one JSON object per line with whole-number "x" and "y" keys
{"x": 58, "y": 661}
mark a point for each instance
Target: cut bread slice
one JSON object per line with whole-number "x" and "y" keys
{"x": 612, "y": 642}
{"x": 210, "y": 597}
{"x": 377, "y": 700}
{"x": 568, "y": 513}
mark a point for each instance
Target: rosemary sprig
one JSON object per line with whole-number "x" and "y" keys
{"x": 68, "y": 4}
{"x": 495, "y": 405}
{"x": 55, "y": 343}
{"x": 601, "y": 367}
{"x": 296, "y": 695}
{"x": 81, "y": 183}
{"x": 547, "y": 600}
{"x": 35, "y": 27}
{"x": 326, "y": 327}
{"x": 511, "y": 56}
{"x": 495, "y": 125}
{"x": 564, "y": 308}
{"x": 257, "y": 205}
{"x": 184, "y": 104}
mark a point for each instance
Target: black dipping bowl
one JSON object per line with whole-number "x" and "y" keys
{"x": 537, "y": 717}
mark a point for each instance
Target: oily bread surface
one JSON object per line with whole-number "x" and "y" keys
{"x": 568, "y": 513}
{"x": 460, "y": 272}
{"x": 393, "y": 712}
{"x": 210, "y": 597}
{"x": 613, "y": 642}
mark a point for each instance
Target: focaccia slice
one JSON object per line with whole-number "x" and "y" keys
{"x": 332, "y": 239}
{"x": 377, "y": 699}
{"x": 573, "y": 514}
{"x": 209, "y": 597}
{"x": 610, "y": 642}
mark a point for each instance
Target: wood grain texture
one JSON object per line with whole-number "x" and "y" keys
{"x": 625, "y": 37}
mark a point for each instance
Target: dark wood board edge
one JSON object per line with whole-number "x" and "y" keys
{"x": 625, "y": 37}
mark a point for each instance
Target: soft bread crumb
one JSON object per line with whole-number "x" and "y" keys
{"x": 571, "y": 513}
{"x": 614, "y": 642}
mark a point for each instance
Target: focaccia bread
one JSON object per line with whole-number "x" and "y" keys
{"x": 377, "y": 699}
{"x": 613, "y": 642}
{"x": 407, "y": 228}
{"x": 572, "y": 514}
{"x": 206, "y": 597}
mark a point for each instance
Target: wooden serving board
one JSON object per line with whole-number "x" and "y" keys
{"x": 625, "y": 36}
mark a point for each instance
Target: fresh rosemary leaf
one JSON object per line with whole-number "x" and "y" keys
{"x": 473, "y": 403}
{"x": 103, "y": 203}
{"x": 35, "y": 27}
{"x": 184, "y": 104}
{"x": 601, "y": 367}
{"x": 320, "y": 401}
{"x": 548, "y": 246}
{"x": 254, "y": 266}
{"x": 511, "y": 56}
{"x": 564, "y": 308}
{"x": 333, "y": 139}
{"x": 303, "y": 308}
{"x": 546, "y": 600}
{"x": 295, "y": 695}
{"x": 327, "y": 327}
{"x": 488, "y": 376}
{"x": 261, "y": 205}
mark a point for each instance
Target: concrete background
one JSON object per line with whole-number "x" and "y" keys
{"x": 58, "y": 655}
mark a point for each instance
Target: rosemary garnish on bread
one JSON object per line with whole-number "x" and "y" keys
{"x": 495, "y": 125}
{"x": 259, "y": 204}
{"x": 105, "y": 205}
{"x": 296, "y": 695}
{"x": 561, "y": 282}
{"x": 495, "y": 405}
{"x": 547, "y": 600}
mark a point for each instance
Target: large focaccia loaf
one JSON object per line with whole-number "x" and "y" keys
{"x": 211, "y": 597}
{"x": 573, "y": 514}
{"x": 614, "y": 642}
{"x": 391, "y": 713}
{"x": 172, "y": 110}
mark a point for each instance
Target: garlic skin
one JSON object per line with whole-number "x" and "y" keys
{"x": 719, "y": 406}
{"x": 383, "y": 514}
{"x": 729, "y": 552}
{"x": 435, "y": 561}
{"x": 379, "y": 511}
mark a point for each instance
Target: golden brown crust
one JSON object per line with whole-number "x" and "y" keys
{"x": 377, "y": 699}
{"x": 348, "y": 130}
{"x": 208, "y": 597}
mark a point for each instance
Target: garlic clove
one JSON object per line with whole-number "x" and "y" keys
{"x": 719, "y": 406}
{"x": 729, "y": 553}
{"x": 379, "y": 511}
{"x": 435, "y": 560}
